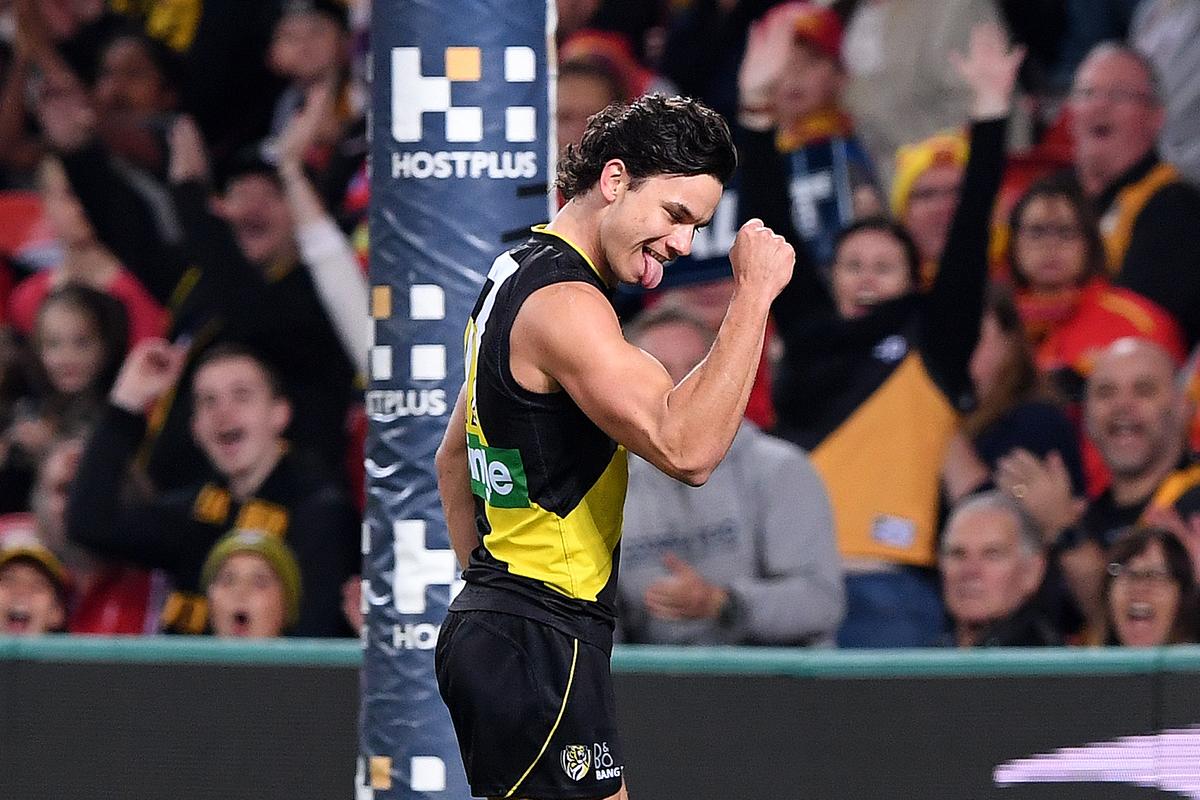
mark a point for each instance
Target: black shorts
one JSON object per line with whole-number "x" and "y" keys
{"x": 533, "y": 708}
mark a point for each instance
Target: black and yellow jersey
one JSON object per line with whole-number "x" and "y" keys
{"x": 549, "y": 485}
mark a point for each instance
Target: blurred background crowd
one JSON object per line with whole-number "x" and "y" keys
{"x": 974, "y": 417}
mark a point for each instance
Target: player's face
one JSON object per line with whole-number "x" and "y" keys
{"x": 247, "y": 598}
{"x": 649, "y": 225}
{"x": 236, "y": 419}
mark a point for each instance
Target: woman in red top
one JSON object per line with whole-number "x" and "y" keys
{"x": 1069, "y": 308}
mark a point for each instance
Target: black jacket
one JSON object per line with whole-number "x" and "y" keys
{"x": 176, "y": 530}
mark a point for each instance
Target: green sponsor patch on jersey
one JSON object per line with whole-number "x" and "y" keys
{"x": 497, "y": 475}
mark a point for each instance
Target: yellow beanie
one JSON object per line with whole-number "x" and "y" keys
{"x": 277, "y": 554}
{"x": 912, "y": 160}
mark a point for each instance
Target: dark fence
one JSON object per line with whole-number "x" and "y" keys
{"x": 186, "y": 718}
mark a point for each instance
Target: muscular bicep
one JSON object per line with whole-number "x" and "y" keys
{"x": 569, "y": 333}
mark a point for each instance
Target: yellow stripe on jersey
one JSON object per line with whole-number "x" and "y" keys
{"x": 570, "y": 555}
{"x": 575, "y": 247}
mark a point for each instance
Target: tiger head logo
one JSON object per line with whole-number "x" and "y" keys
{"x": 576, "y": 759}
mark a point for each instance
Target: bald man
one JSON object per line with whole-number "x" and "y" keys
{"x": 1137, "y": 414}
{"x": 1147, "y": 210}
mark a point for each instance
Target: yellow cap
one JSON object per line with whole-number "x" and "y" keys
{"x": 912, "y": 160}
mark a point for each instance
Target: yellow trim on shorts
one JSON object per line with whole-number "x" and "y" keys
{"x": 562, "y": 710}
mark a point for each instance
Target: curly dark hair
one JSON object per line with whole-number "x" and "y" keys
{"x": 653, "y": 135}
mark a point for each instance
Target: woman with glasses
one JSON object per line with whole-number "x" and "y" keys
{"x": 1069, "y": 308}
{"x": 1150, "y": 590}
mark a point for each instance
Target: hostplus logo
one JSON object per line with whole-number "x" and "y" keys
{"x": 416, "y": 95}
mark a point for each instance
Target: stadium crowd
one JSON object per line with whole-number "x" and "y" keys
{"x": 974, "y": 418}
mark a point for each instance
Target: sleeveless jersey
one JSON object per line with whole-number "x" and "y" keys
{"x": 549, "y": 485}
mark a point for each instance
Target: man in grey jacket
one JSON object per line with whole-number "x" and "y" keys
{"x": 748, "y": 558}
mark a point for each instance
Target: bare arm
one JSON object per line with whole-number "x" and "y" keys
{"x": 454, "y": 484}
{"x": 683, "y": 430}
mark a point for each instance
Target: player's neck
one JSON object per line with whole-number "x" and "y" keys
{"x": 579, "y": 222}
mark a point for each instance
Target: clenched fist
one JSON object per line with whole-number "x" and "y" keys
{"x": 762, "y": 259}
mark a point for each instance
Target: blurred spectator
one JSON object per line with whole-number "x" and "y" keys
{"x": 705, "y": 42}
{"x": 110, "y": 597}
{"x": 1137, "y": 417}
{"x": 749, "y": 557}
{"x": 253, "y": 586}
{"x": 895, "y": 53}
{"x": 1070, "y": 310}
{"x": 1060, "y": 33}
{"x": 642, "y": 23}
{"x": 1146, "y": 211}
{"x": 790, "y": 84}
{"x": 1040, "y": 25}
{"x": 1166, "y": 32}
{"x": 234, "y": 277}
{"x": 221, "y": 44}
{"x": 709, "y": 300}
{"x": 572, "y": 15}
{"x": 62, "y": 38}
{"x": 255, "y": 482}
{"x": 584, "y": 88}
{"x": 311, "y": 50}
{"x": 34, "y": 585}
{"x": 85, "y": 261}
{"x": 324, "y": 249}
{"x": 1013, "y": 409}
{"x": 1150, "y": 590}
{"x": 925, "y": 193}
{"x": 874, "y": 374}
{"x": 139, "y": 87}
{"x": 992, "y": 562}
{"x": 354, "y": 604}
{"x": 78, "y": 343}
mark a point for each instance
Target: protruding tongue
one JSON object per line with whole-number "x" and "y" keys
{"x": 653, "y": 272}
